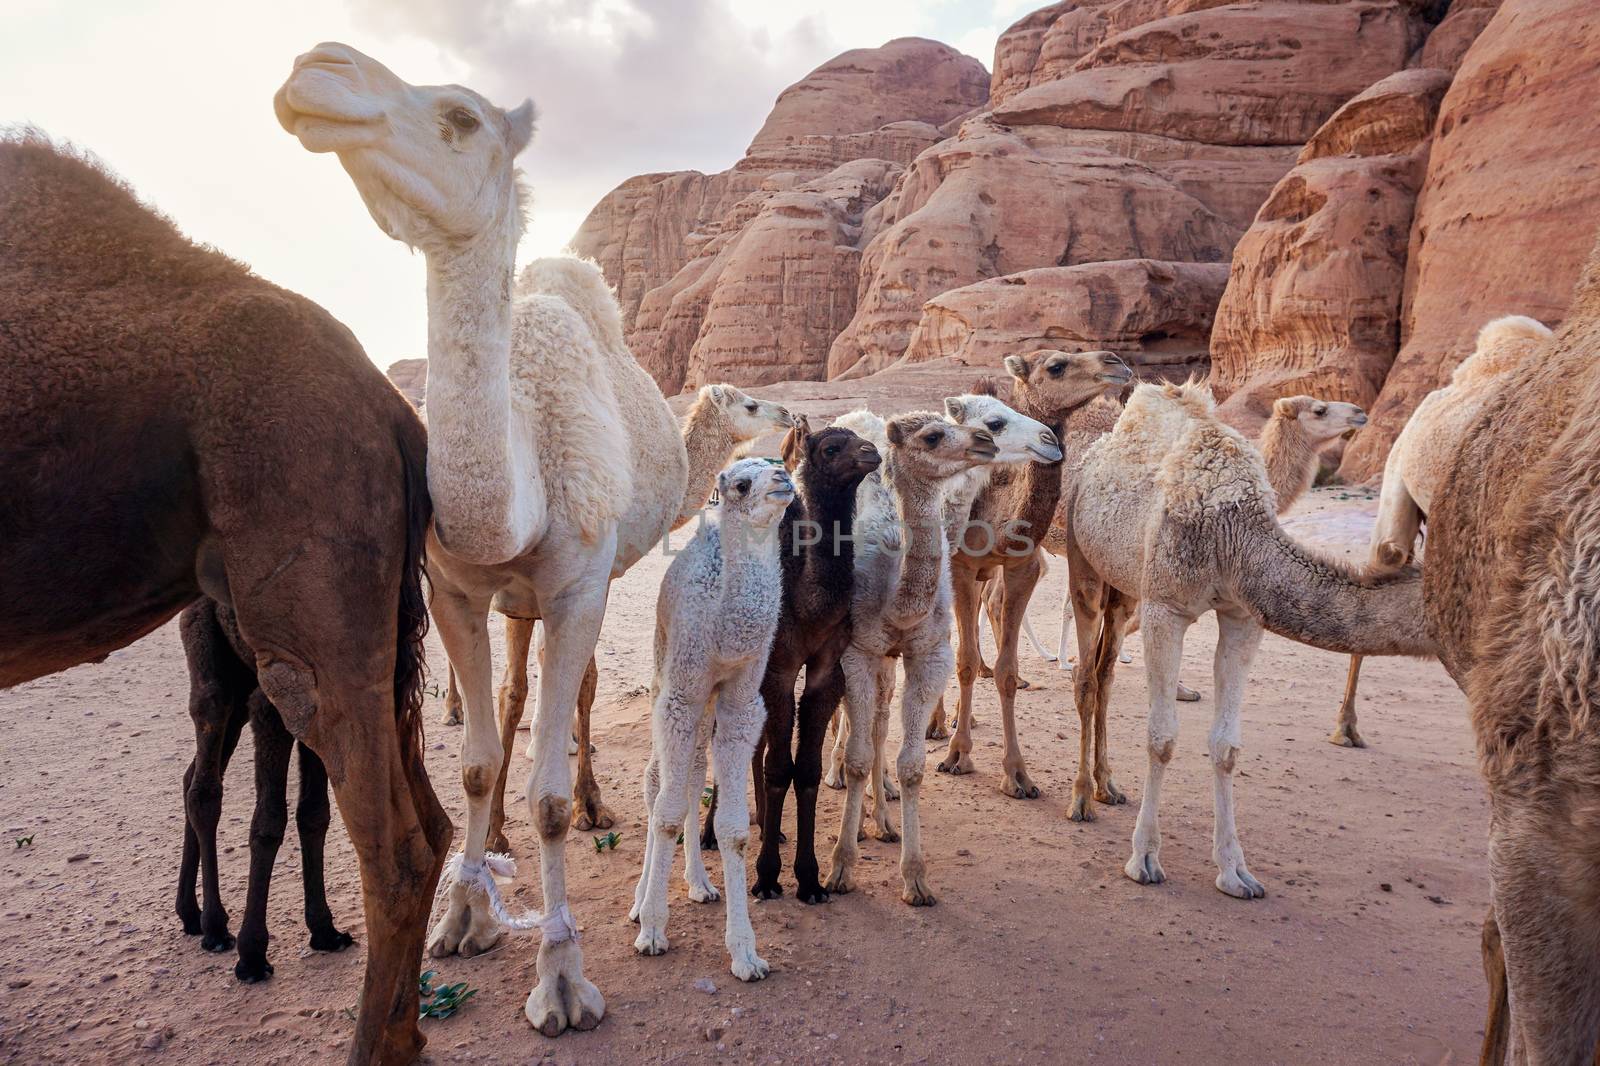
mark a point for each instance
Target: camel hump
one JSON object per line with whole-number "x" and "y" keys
{"x": 581, "y": 284}
{"x": 1502, "y": 345}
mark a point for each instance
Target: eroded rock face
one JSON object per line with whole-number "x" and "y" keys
{"x": 1313, "y": 300}
{"x": 997, "y": 200}
{"x": 1447, "y": 45}
{"x": 1242, "y": 74}
{"x": 410, "y": 376}
{"x": 1157, "y": 315}
{"x": 1509, "y": 204}
{"x": 875, "y": 103}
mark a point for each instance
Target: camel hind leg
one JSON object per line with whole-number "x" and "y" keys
{"x": 969, "y": 660}
{"x": 510, "y": 700}
{"x": 739, "y": 717}
{"x": 1019, "y": 584}
{"x": 1344, "y": 731}
{"x": 587, "y": 810}
{"x": 274, "y": 747}
{"x": 312, "y": 818}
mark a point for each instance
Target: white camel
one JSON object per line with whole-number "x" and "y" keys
{"x": 551, "y": 456}
{"x": 715, "y": 618}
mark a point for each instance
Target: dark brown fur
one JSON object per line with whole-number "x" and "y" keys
{"x": 223, "y": 694}
{"x": 1510, "y": 595}
{"x": 171, "y": 424}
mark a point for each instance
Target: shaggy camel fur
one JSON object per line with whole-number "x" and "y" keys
{"x": 171, "y": 425}
{"x": 1510, "y": 593}
{"x": 552, "y": 454}
{"x": 223, "y": 692}
{"x": 1422, "y": 453}
{"x": 722, "y": 421}
{"x": 1291, "y": 441}
{"x": 900, "y": 607}
{"x": 999, "y": 540}
{"x": 715, "y": 618}
{"x": 1173, "y": 509}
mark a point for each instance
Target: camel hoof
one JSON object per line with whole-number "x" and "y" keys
{"x": 1110, "y": 794}
{"x": 497, "y": 842}
{"x": 1238, "y": 883}
{"x": 834, "y": 779}
{"x": 704, "y": 892}
{"x": 889, "y": 790}
{"x": 1124, "y": 657}
{"x": 1145, "y": 869}
{"x": 589, "y": 813}
{"x": 651, "y": 942}
{"x": 560, "y": 1004}
{"x": 1081, "y": 811}
{"x": 956, "y": 764}
{"x": 840, "y": 881}
{"x": 217, "y": 942}
{"x": 478, "y": 941}
{"x": 917, "y": 893}
{"x": 937, "y": 728}
{"x": 811, "y": 895}
{"x": 1022, "y": 683}
{"x": 1018, "y": 786}
{"x": 885, "y": 832}
{"x": 766, "y": 890}
{"x": 1187, "y": 694}
{"x": 750, "y": 967}
{"x": 451, "y": 716}
{"x": 1347, "y": 737}
{"x": 330, "y": 939}
{"x": 252, "y": 971}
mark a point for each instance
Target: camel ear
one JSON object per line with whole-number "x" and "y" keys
{"x": 1285, "y": 408}
{"x": 793, "y": 448}
{"x": 718, "y": 393}
{"x": 522, "y": 120}
{"x": 897, "y": 433}
{"x": 954, "y": 409}
{"x": 1017, "y": 366}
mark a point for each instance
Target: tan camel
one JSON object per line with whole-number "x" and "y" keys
{"x": 173, "y": 426}
{"x": 552, "y": 454}
{"x": 1423, "y": 452}
{"x": 1510, "y": 594}
{"x": 1173, "y": 510}
{"x": 899, "y": 608}
{"x": 998, "y": 540}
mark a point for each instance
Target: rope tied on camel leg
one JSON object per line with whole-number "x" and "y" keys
{"x": 555, "y": 926}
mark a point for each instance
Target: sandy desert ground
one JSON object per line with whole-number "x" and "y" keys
{"x": 1364, "y": 950}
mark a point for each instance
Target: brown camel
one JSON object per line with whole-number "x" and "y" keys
{"x": 172, "y": 425}
{"x": 999, "y": 541}
{"x": 1511, "y": 593}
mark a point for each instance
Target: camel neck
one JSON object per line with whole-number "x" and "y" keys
{"x": 830, "y": 559}
{"x": 748, "y": 555}
{"x": 710, "y": 443}
{"x": 1290, "y": 458}
{"x": 919, "y": 504}
{"x": 488, "y": 500}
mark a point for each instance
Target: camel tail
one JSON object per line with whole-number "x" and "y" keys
{"x": 410, "y": 661}
{"x": 1299, "y": 594}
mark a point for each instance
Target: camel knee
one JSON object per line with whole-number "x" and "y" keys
{"x": 553, "y": 814}
{"x": 312, "y": 819}
{"x": 967, "y": 672}
{"x": 1162, "y": 748}
{"x": 1223, "y": 756}
{"x": 733, "y": 829}
{"x": 479, "y": 777}
{"x": 857, "y": 765}
{"x": 909, "y": 768}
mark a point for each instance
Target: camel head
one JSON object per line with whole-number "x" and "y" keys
{"x": 756, "y": 490}
{"x": 837, "y": 457}
{"x": 1320, "y": 420}
{"x": 745, "y": 416}
{"x": 1052, "y": 380}
{"x": 936, "y": 448}
{"x": 1020, "y": 439}
{"x": 432, "y": 162}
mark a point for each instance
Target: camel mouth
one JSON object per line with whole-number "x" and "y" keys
{"x": 869, "y": 463}
{"x": 1045, "y": 455}
{"x": 1358, "y": 421}
{"x": 986, "y": 452}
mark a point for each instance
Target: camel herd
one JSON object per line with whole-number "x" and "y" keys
{"x": 177, "y": 434}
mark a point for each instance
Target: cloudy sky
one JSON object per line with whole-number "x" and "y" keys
{"x": 176, "y": 95}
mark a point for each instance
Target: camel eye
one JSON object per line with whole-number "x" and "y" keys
{"x": 743, "y": 486}
{"x": 932, "y": 438}
{"x": 1056, "y": 369}
{"x": 831, "y": 450}
{"x": 751, "y": 407}
{"x": 995, "y": 425}
{"x": 463, "y": 120}
{"x": 1319, "y": 410}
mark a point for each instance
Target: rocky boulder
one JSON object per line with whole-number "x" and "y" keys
{"x": 410, "y": 376}
{"x": 996, "y": 200}
{"x": 1313, "y": 299}
{"x": 1509, "y": 204}
{"x": 1157, "y": 315}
